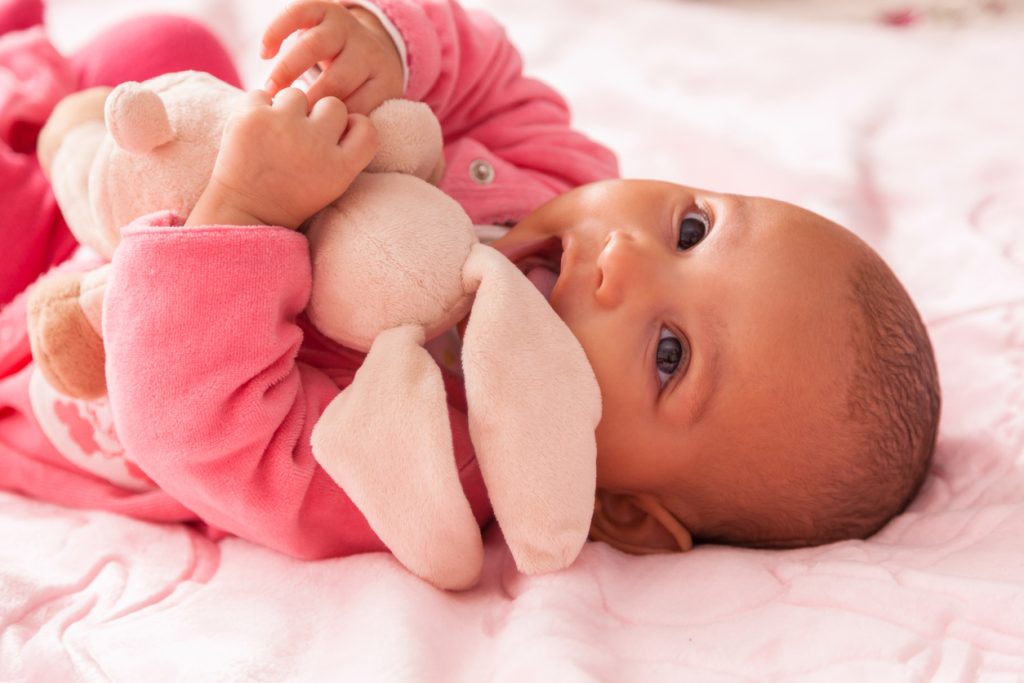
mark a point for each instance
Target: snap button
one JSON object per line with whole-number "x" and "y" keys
{"x": 481, "y": 171}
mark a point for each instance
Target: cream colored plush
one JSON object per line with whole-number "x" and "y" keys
{"x": 154, "y": 149}
{"x": 395, "y": 262}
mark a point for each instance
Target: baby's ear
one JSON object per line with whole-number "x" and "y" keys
{"x": 637, "y": 524}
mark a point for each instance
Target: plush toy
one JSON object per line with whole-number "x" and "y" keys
{"x": 395, "y": 262}
{"x": 156, "y": 151}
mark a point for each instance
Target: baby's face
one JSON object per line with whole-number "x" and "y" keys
{"x": 717, "y": 327}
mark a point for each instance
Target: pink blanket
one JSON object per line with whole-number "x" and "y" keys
{"x": 913, "y": 137}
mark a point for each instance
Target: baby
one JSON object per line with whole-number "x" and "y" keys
{"x": 765, "y": 379}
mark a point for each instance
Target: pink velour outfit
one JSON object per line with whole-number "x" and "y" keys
{"x": 215, "y": 375}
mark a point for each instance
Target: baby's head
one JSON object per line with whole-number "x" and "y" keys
{"x": 765, "y": 379}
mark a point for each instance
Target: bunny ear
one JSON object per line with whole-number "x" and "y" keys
{"x": 533, "y": 407}
{"x": 387, "y": 442}
{"x": 136, "y": 118}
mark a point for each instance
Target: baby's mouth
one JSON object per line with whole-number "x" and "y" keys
{"x": 541, "y": 263}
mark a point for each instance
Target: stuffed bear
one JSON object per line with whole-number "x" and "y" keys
{"x": 395, "y": 262}
{"x": 167, "y": 132}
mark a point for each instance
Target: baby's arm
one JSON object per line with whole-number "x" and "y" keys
{"x": 201, "y": 337}
{"x": 463, "y": 65}
{"x": 493, "y": 117}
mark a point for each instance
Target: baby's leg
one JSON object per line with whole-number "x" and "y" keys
{"x": 31, "y": 226}
{"x": 16, "y": 15}
{"x": 148, "y": 46}
{"x": 33, "y": 77}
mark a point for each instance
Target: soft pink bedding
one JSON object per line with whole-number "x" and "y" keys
{"x": 914, "y": 138}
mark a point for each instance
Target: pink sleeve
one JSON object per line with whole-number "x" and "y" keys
{"x": 207, "y": 395}
{"x": 462, "y": 64}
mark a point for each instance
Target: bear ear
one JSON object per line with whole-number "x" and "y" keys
{"x": 137, "y": 119}
{"x": 409, "y": 139}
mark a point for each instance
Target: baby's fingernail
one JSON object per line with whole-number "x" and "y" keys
{"x": 270, "y": 85}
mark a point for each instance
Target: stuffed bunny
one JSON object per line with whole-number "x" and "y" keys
{"x": 395, "y": 262}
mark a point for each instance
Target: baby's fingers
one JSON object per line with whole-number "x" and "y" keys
{"x": 340, "y": 79}
{"x": 297, "y": 16}
{"x": 357, "y": 145}
{"x": 291, "y": 101}
{"x": 256, "y": 98}
{"x": 317, "y": 45}
{"x": 331, "y": 115}
{"x": 247, "y": 105}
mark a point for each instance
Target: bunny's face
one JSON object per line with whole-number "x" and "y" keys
{"x": 389, "y": 252}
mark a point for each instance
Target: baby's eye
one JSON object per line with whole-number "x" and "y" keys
{"x": 671, "y": 355}
{"x": 692, "y": 229}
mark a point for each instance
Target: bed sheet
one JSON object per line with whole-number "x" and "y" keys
{"x": 913, "y": 138}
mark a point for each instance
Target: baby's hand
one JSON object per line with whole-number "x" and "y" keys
{"x": 361, "y": 65}
{"x": 280, "y": 163}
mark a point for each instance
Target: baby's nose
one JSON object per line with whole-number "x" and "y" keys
{"x": 619, "y": 265}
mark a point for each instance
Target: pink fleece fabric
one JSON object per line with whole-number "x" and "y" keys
{"x": 462, "y": 64}
{"x": 215, "y": 378}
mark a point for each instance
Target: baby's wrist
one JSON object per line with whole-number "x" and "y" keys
{"x": 218, "y": 205}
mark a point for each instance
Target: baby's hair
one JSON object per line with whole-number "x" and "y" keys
{"x": 894, "y": 400}
{"x": 880, "y": 447}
